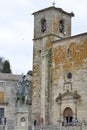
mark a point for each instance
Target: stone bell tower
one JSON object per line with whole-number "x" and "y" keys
{"x": 50, "y": 24}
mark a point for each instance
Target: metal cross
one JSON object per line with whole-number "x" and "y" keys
{"x": 53, "y": 3}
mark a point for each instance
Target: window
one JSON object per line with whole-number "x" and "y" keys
{"x": 2, "y": 96}
{"x": 39, "y": 53}
{"x": 61, "y": 26}
{"x": 68, "y": 53}
{"x": 2, "y": 83}
{"x": 69, "y": 75}
{"x": 43, "y": 25}
{"x": 1, "y": 114}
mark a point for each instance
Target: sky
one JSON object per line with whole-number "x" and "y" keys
{"x": 17, "y": 26}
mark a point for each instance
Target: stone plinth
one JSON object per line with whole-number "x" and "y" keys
{"x": 21, "y": 122}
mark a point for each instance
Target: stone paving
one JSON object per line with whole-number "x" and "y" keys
{"x": 60, "y": 128}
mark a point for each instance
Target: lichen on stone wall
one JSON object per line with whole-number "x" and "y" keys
{"x": 78, "y": 52}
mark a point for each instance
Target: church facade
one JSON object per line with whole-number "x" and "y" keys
{"x": 59, "y": 89}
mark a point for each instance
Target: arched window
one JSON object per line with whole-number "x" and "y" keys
{"x": 43, "y": 25}
{"x": 61, "y": 26}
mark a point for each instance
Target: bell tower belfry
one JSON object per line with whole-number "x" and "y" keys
{"x": 52, "y": 21}
{"x": 50, "y": 24}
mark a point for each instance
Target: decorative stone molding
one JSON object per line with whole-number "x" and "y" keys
{"x": 74, "y": 95}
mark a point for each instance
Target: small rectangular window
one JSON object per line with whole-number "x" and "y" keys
{"x": 68, "y": 53}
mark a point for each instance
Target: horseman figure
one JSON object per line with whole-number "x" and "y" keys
{"x": 21, "y": 94}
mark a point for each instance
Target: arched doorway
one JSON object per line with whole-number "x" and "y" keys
{"x": 68, "y": 114}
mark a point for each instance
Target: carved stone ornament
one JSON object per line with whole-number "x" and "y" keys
{"x": 74, "y": 95}
{"x": 23, "y": 119}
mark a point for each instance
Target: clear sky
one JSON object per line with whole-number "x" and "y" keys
{"x": 16, "y": 28}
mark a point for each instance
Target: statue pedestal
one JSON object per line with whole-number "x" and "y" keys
{"x": 21, "y": 118}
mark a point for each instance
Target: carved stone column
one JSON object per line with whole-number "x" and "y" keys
{"x": 75, "y": 108}
{"x": 59, "y": 103}
{"x": 44, "y": 88}
{"x": 59, "y": 100}
{"x": 76, "y": 97}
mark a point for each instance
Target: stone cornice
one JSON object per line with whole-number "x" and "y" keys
{"x": 51, "y": 34}
{"x": 56, "y": 9}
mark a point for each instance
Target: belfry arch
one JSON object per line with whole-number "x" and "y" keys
{"x": 68, "y": 114}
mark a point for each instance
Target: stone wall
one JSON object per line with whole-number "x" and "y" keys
{"x": 52, "y": 16}
{"x": 76, "y": 64}
{"x": 51, "y": 72}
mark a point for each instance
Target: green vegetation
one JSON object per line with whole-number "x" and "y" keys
{"x": 4, "y": 66}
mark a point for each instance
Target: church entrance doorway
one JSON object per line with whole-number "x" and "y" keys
{"x": 68, "y": 114}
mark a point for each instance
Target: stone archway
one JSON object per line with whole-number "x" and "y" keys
{"x": 68, "y": 114}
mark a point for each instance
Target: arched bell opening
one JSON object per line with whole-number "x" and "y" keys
{"x": 68, "y": 114}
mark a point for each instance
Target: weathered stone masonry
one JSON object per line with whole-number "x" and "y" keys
{"x": 59, "y": 68}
